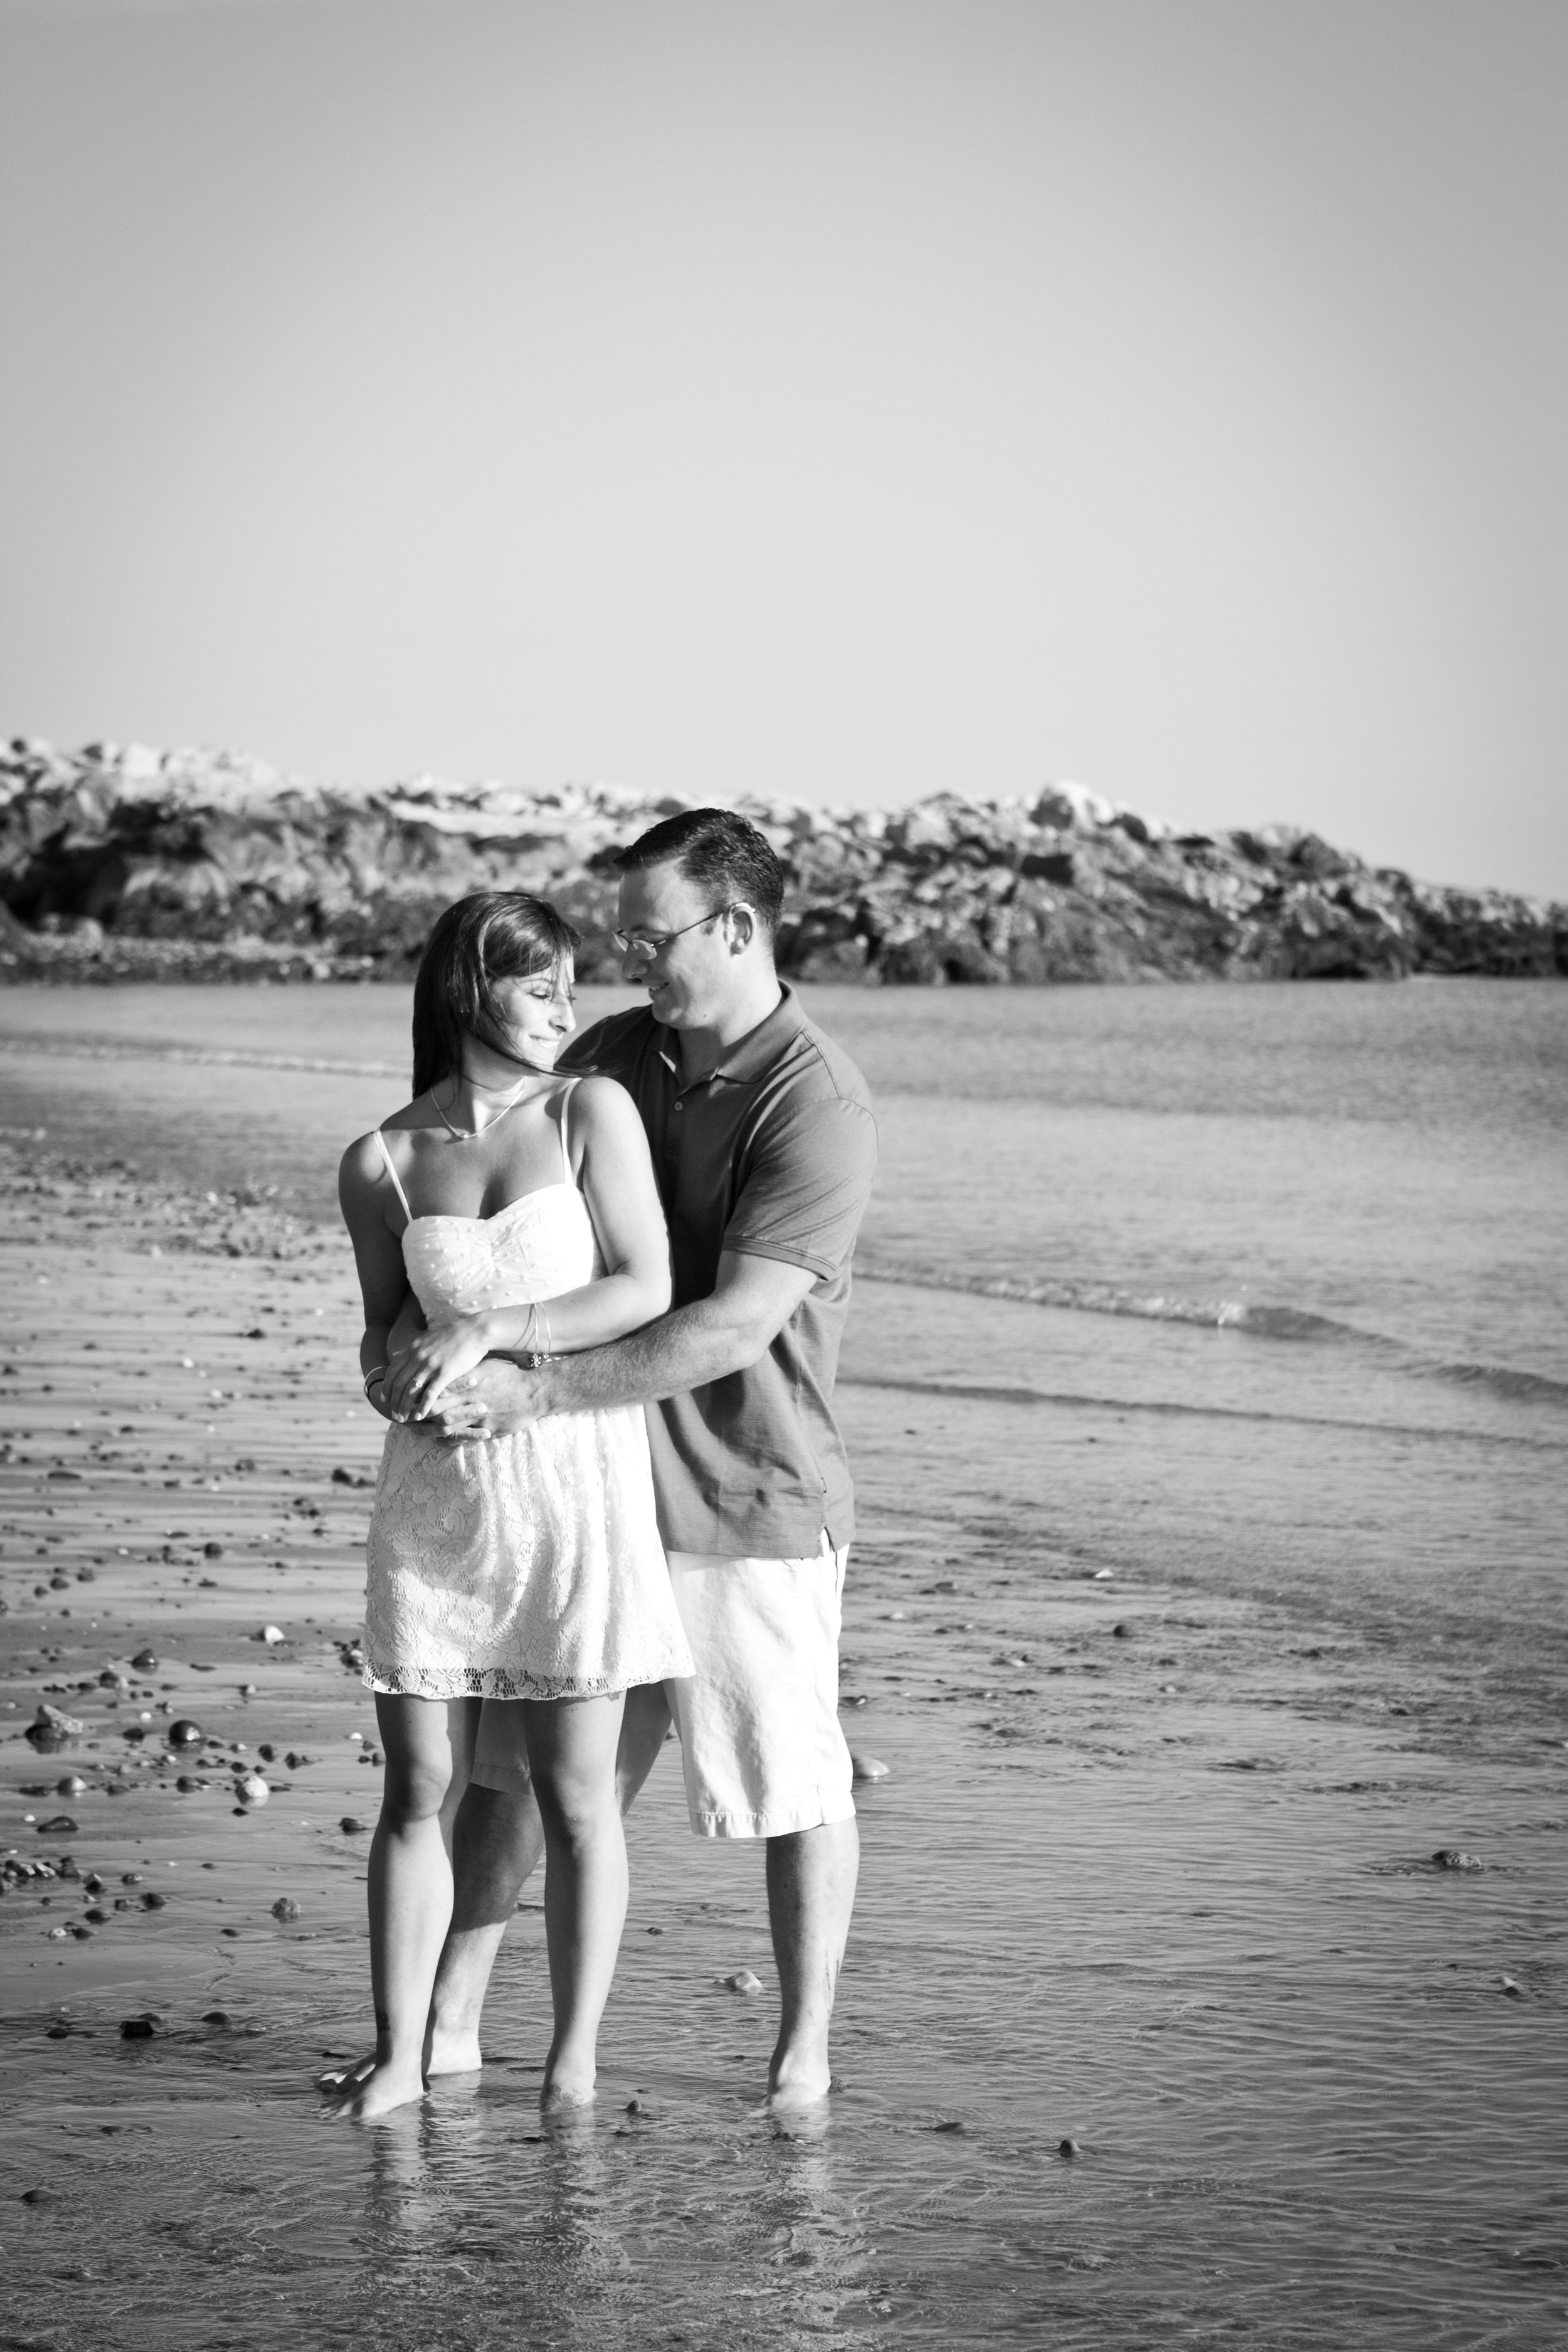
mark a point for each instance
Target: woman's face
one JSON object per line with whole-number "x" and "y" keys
{"x": 536, "y": 1013}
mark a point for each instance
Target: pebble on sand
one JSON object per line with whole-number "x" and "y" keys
{"x": 286, "y": 1907}
{"x": 136, "y": 2028}
{"x": 1453, "y": 1857}
{"x": 868, "y": 1767}
{"x": 252, "y": 1790}
{"x": 144, "y": 1661}
{"x": 350, "y": 1825}
{"x": 183, "y": 1733}
{"x": 61, "y": 1824}
{"x": 71, "y": 1786}
{"x": 272, "y": 1633}
{"x": 51, "y": 1726}
{"x": 743, "y": 1981}
{"x": 40, "y": 2196}
{"x": 1068, "y": 2147}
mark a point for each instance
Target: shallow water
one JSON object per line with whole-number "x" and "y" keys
{"x": 1187, "y": 1646}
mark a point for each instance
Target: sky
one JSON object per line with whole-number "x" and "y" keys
{"x": 846, "y": 400}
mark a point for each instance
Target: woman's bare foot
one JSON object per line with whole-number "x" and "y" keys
{"x": 566, "y": 2087}
{"x": 797, "y": 2081}
{"x": 446, "y": 2052}
{"x": 380, "y": 2092}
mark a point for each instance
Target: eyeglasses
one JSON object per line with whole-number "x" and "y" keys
{"x": 653, "y": 943}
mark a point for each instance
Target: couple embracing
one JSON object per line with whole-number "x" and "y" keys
{"x": 550, "y": 1237}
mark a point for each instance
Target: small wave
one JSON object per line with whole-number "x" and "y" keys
{"x": 243, "y": 1057}
{"x": 1258, "y": 1322}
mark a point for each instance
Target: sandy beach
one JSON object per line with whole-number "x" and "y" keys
{"x": 1163, "y": 2016}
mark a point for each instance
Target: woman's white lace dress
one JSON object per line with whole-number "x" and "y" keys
{"x": 520, "y": 1566}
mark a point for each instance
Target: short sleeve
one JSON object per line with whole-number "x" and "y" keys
{"x": 806, "y": 1188}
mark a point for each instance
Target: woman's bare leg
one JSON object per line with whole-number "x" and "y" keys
{"x": 428, "y": 1745}
{"x": 571, "y": 1755}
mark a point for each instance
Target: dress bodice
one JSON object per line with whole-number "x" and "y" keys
{"x": 536, "y": 1247}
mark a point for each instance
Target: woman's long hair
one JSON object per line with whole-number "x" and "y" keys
{"x": 495, "y": 935}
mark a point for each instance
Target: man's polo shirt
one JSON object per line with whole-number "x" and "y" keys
{"x": 771, "y": 1156}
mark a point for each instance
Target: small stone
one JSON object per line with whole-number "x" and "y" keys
{"x": 61, "y": 1823}
{"x": 144, "y": 1662}
{"x": 40, "y": 2196}
{"x": 1102, "y": 1575}
{"x": 271, "y": 1633}
{"x": 1068, "y": 2147}
{"x": 136, "y": 2028}
{"x": 252, "y": 1790}
{"x": 187, "y": 1786}
{"x": 1514, "y": 1991}
{"x": 636, "y": 2108}
{"x": 51, "y": 1728}
{"x": 71, "y": 1786}
{"x": 97, "y": 1916}
{"x": 743, "y": 1982}
{"x": 215, "y": 2017}
{"x": 247, "y": 1690}
{"x": 1453, "y": 1857}
{"x": 1123, "y": 1633}
{"x": 183, "y": 1733}
{"x": 868, "y": 1767}
{"x": 286, "y": 1907}
{"x": 212, "y": 1552}
{"x": 130, "y": 1878}
{"x": 152, "y": 1902}
{"x": 267, "y": 1753}
{"x": 350, "y": 1825}
{"x": 948, "y": 2124}
{"x": 58, "y": 1935}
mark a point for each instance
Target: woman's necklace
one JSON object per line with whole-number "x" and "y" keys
{"x": 466, "y": 1134}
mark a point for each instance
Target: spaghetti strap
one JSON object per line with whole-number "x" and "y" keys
{"x": 565, "y": 1145}
{"x": 393, "y": 1173}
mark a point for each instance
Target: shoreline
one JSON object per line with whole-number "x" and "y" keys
{"x": 1152, "y": 1872}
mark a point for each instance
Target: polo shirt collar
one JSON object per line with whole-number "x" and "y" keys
{"x": 752, "y": 1056}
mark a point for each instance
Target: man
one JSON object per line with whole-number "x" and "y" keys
{"x": 763, "y": 1147}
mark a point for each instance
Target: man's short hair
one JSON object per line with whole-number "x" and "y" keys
{"x": 722, "y": 854}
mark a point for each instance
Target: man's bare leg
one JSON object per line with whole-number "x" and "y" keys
{"x": 811, "y": 1894}
{"x": 497, "y": 1839}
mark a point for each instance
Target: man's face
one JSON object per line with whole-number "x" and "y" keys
{"x": 690, "y": 978}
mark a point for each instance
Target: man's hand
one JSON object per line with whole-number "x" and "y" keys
{"x": 418, "y": 1377}
{"x": 497, "y": 1401}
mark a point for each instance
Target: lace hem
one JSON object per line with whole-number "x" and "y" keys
{"x": 491, "y": 1681}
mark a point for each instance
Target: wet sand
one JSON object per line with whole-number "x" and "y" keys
{"x": 1152, "y": 1873}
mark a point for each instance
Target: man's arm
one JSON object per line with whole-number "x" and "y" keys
{"x": 734, "y": 1326}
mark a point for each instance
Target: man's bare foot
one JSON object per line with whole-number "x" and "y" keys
{"x": 797, "y": 2083}
{"x": 447, "y": 2051}
{"x": 380, "y": 2093}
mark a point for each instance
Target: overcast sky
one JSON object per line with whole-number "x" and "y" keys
{"x": 824, "y": 397}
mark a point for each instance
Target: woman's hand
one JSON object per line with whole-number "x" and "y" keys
{"x": 430, "y": 1362}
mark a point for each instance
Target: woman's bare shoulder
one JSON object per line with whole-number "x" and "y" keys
{"x": 363, "y": 1160}
{"x": 602, "y": 1102}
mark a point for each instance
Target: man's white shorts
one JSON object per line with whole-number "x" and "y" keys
{"x": 760, "y": 1742}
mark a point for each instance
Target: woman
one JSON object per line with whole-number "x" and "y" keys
{"x": 521, "y": 1213}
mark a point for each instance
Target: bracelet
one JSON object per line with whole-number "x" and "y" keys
{"x": 379, "y": 1374}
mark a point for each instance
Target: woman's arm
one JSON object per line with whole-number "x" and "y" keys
{"x": 378, "y": 1257}
{"x": 617, "y": 1176}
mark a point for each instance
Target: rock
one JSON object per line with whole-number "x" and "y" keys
{"x": 1068, "y": 2147}
{"x": 251, "y": 1791}
{"x": 144, "y": 1662}
{"x": 1123, "y": 1633}
{"x": 185, "y": 1733}
{"x": 286, "y": 1907}
{"x": 1452, "y": 1857}
{"x": 153, "y": 1902}
{"x": 271, "y": 1633}
{"x": 868, "y": 1767}
{"x": 71, "y": 1786}
{"x": 40, "y": 2196}
{"x": 743, "y": 1982}
{"x": 136, "y": 2028}
{"x": 350, "y": 1825}
{"x": 212, "y": 1552}
{"x": 1514, "y": 1991}
{"x": 52, "y": 1728}
{"x": 247, "y": 1690}
{"x": 215, "y": 2017}
{"x": 61, "y": 1824}
{"x": 198, "y": 864}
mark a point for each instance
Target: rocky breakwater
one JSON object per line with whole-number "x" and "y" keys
{"x": 121, "y": 861}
